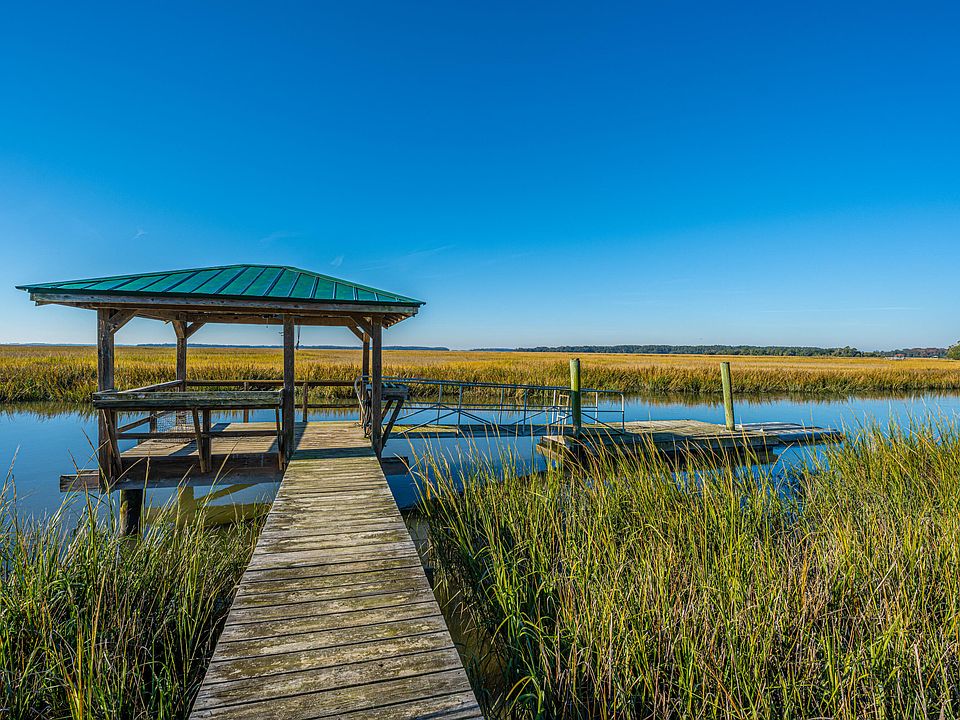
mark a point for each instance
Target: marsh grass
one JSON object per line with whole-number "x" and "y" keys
{"x": 93, "y": 625}
{"x": 624, "y": 591}
{"x": 69, "y": 372}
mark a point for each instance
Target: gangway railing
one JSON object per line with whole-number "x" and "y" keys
{"x": 505, "y": 405}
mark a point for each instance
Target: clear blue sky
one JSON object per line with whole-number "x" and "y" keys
{"x": 539, "y": 173}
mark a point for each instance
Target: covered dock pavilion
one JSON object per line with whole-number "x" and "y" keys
{"x": 232, "y": 294}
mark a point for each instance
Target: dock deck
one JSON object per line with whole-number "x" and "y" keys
{"x": 334, "y": 616}
{"x": 685, "y": 438}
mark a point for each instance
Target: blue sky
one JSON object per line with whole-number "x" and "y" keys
{"x": 539, "y": 173}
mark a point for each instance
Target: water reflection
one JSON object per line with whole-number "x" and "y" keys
{"x": 41, "y": 441}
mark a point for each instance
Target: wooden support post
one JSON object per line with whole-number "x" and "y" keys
{"x": 727, "y": 395}
{"x": 181, "y": 329}
{"x": 575, "y": 415}
{"x": 288, "y": 375}
{"x": 306, "y": 402}
{"x": 131, "y": 501}
{"x": 104, "y": 382}
{"x": 376, "y": 386}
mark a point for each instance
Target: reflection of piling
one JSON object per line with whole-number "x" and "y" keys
{"x": 575, "y": 418}
{"x": 727, "y": 395}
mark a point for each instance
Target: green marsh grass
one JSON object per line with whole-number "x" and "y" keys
{"x": 618, "y": 591}
{"x": 93, "y": 625}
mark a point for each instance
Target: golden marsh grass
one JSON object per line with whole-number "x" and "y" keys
{"x": 69, "y": 372}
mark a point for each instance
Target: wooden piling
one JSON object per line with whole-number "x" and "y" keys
{"x": 131, "y": 501}
{"x": 575, "y": 406}
{"x": 727, "y": 395}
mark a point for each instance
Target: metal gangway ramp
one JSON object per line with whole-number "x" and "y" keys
{"x": 423, "y": 406}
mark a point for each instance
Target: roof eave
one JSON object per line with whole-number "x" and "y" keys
{"x": 218, "y": 303}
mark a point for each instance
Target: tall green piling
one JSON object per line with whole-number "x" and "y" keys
{"x": 727, "y": 395}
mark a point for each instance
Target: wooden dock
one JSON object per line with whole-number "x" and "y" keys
{"x": 685, "y": 439}
{"x": 334, "y": 616}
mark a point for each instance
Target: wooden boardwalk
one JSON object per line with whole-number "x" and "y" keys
{"x": 334, "y": 616}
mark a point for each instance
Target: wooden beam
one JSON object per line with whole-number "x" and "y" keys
{"x": 200, "y": 400}
{"x": 376, "y": 388}
{"x": 356, "y": 331}
{"x": 321, "y": 319}
{"x": 119, "y": 318}
{"x": 288, "y": 386}
{"x": 363, "y": 323}
{"x": 247, "y": 318}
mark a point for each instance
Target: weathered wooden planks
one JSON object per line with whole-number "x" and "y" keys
{"x": 334, "y": 616}
{"x": 675, "y": 438}
{"x": 193, "y": 400}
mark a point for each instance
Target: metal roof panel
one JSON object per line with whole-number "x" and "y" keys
{"x": 236, "y": 281}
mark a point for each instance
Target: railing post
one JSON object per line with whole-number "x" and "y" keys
{"x": 305, "y": 403}
{"x": 727, "y": 395}
{"x": 575, "y": 418}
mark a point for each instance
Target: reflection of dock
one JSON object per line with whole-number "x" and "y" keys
{"x": 334, "y": 616}
{"x": 684, "y": 438}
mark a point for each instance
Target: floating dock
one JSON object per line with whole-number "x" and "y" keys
{"x": 684, "y": 438}
{"x": 334, "y": 616}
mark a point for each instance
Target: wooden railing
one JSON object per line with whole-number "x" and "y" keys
{"x": 173, "y": 396}
{"x": 304, "y": 386}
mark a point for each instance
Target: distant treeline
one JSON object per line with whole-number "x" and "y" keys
{"x": 928, "y": 352}
{"x": 788, "y": 350}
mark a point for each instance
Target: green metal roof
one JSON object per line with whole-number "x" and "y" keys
{"x": 261, "y": 282}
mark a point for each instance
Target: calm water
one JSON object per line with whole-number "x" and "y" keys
{"x": 39, "y": 442}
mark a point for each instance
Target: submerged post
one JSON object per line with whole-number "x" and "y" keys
{"x": 575, "y": 416}
{"x": 727, "y": 395}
